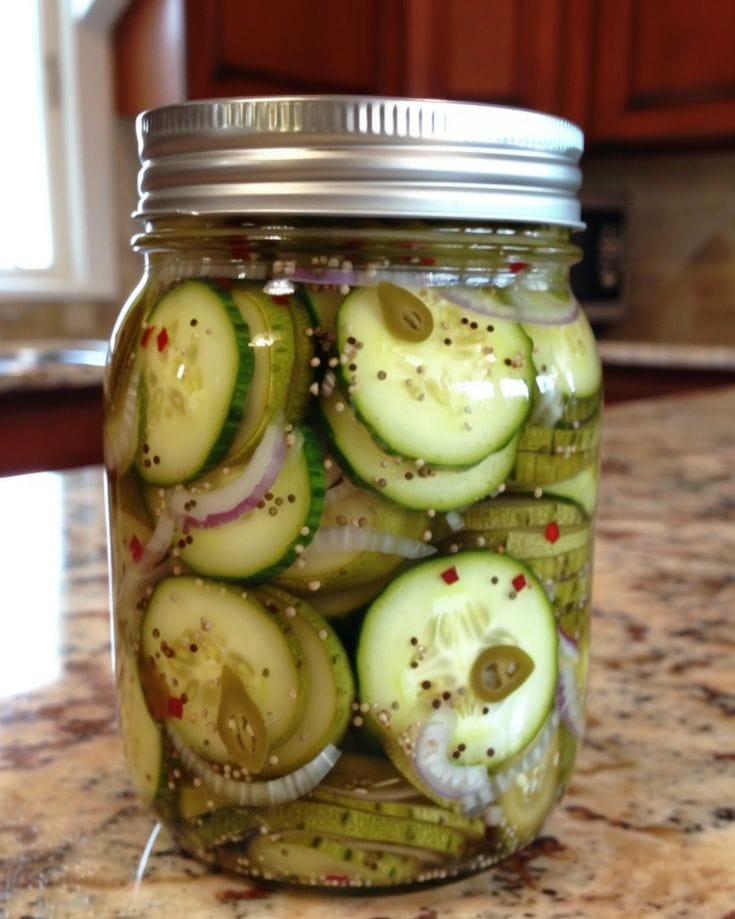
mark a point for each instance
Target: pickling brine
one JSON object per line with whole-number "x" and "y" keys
{"x": 352, "y": 477}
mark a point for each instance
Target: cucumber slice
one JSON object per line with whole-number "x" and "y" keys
{"x": 359, "y": 825}
{"x": 428, "y": 378}
{"x": 418, "y": 486}
{"x": 566, "y": 358}
{"x": 330, "y": 684}
{"x": 358, "y": 518}
{"x": 142, "y": 743}
{"x": 532, "y": 792}
{"x": 272, "y": 343}
{"x": 303, "y": 857}
{"x": 219, "y": 660}
{"x": 472, "y": 827}
{"x": 323, "y": 304}
{"x": 521, "y": 511}
{"x": 302, "y": 374}
{"x": 122, "y": 420}
{"x": 433, "y": 643}
{"x": 581, "y": 487}
{"x": 562, "y": 440}
{"x": 339, "y": 606}
{"x": 265, "y": 540}
{"x": 196, "y": 368}
{"x": 533, "y": 468}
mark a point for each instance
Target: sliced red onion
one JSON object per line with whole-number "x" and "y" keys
{"x": 470, "y": 785}
{"x": 367, "y": 539}
{"x": 522, "y": 306}
{"x": 121, "y": 440}
{"x": 197, "y": 507}
{"x": 569, "y": 695}
{"x": 254, "y": 793}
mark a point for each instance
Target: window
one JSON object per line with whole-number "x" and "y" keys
{"x": 57, "y": 230}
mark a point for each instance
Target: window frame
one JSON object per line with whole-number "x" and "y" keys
{"x": 77, "y": 64}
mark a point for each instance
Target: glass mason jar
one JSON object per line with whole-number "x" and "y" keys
{"x": 352, "y": 440}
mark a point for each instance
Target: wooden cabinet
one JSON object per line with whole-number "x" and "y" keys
{"x": 629, "y": 72}
{"x": 664, "y": 70}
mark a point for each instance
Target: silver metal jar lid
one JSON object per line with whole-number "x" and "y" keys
{"x": 349, "y": 156}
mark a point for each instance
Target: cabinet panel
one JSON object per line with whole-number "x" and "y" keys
{"x": 511, "y": 52}
{"x": 665, "y": 69}
{"x": 236, "y": 47}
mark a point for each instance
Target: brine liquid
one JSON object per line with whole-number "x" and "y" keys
{"x": 351, "y": 531}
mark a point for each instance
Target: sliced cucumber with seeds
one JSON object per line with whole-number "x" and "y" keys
{"x": 467, "y": 644}
{"x": 330, "y": 683}
{"x": 521, "y": 511}
{"x": 264, "y": 541}
{"x": 307, "y": 857}
{"x": 322, "y": 304}
{"x": 562, "y": 440}
{"x": 581, "y": 487}
{"x": 365, "y": 826}
{"x": 231, "y": 677}
{"x": 533, "y": 468}
{"x": 532, "y": 792}
{"x": 272, "y": 343}
{"x": 566, "y": 358}
{"x": 426, "y": 812}
{"x": 302, "y": 375}
{"x": 142, "y": 741}
{"x": 416, "y": 485}
{"x": 361, "y": 538}
{"x": 430, "y": 380}
{"x": 196, "y": 368}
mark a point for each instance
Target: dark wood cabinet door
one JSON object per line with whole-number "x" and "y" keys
{"x": 663, "y": 70}
{"x": 249, "y": 47}
{"x": 514, "y": 52}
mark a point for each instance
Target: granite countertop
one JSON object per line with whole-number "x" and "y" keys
{"x": 647, "y": 826}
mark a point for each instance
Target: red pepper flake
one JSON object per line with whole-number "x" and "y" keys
{"x": 337, "y": 878}
{"x": 162, "y": 339}
{"x": 280, "y": 299}
{"x": 515, "y": 267}
{"x": 427, "y": 260}
{"x": 136, "y": 548}
{"x": 449, "y": 576}
{"x": 519, "y": 582}
{"x": 551, "y": 533}
{"x": 175, "y": 707}
{"x": 147, "y": 332}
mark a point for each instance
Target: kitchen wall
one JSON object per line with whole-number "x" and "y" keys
{"x": 681, "y": 254}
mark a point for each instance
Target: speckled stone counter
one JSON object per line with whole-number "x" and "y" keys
{"x": 647, "y": 827}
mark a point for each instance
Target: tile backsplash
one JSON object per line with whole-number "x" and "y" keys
{"x": 681, "y": 249}
{"x": 681, "y": 246}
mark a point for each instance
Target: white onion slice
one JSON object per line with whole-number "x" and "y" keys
{"x": 160, "y": 540}
{"x": 196, "y": 507}
{"x": 524, "y": 307}
{"x": 367, "y": 539}
{"x": 455, "y": 521}
{"x": 254, "y": 793}
{"x": 152, "y": 563}
{"x": 121, "y": 440}
{"x": 470, "y": 785}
